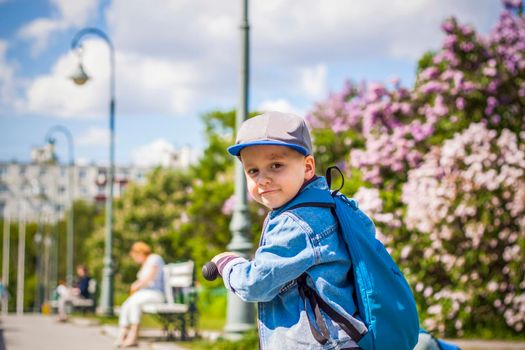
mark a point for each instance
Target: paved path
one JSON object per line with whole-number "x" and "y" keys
{"x": 489, "y": 344}
{"x": 37, "y": 332}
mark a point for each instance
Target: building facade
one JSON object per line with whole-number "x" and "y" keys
{"x": 39, "y": 190}
{"x": 35, "y": 191}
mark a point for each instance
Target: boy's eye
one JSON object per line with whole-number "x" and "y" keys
{"x": 276, "y": 165}
{"x": 252, "y": 171}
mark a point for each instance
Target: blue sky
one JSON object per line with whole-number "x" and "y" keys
{"x": 178, "y": 59}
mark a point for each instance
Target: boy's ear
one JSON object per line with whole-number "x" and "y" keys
{"x": 309, "y": 167}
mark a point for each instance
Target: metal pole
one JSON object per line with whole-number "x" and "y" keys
{"x": 45, "y": 260}
{"x": 37, "y": 240}
{"x": 70, "y": 187}
{"x": 51, "y": 259}
{"x": 240, "y": 315}
{"x": 21, "y": 265}
{"x": 106, "y": 302}
{"x": 5, "y": 261}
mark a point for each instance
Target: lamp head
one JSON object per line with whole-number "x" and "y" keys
{"x": 79, "y": 77}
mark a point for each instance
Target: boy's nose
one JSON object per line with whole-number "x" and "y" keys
{"x": 263, "y": 179}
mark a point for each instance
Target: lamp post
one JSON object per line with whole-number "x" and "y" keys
{"x": 20, "y": 276}
{"x": 70, "y": 216}
{"x": 5, "y": 259}
{"x": 80, "y": 77}
{"x": 240, "y": 315}
{"x": 39, "y": 290}
{"x": 36, "y": 197}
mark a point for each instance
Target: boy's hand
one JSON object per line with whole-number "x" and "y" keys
{"x": 222, "y": 259}
{"x": 217, "y": 257}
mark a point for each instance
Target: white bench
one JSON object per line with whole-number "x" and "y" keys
{"x": 179, "y": 310}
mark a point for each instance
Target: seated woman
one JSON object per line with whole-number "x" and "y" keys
{"x": 148, "y": 288}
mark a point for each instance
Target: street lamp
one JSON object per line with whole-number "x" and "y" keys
{"x": 80, "y": 77}
{"x": 5, "y": 258}
{"x": 70, "y": 216}
{"x": 240, "y": 315}
{"x": 39, "y": 290}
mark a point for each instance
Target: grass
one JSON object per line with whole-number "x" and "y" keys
{"x": 211, "y": 306}
{"x": 211, "y": 323}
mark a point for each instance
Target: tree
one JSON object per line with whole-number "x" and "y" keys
{"x": 150, "y": 213}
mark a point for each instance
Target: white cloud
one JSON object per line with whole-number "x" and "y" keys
{"x": 76, "y": 13}
{"x": 70, "y": 14}
{"x": 55, "y": 94}
{"x": 158, "y": 152}
{"x": 155, "y": 85}
{"x": 143, "y": 85}
{"x": 280, "y": 105}
{"x": 310, "y": 30}
{"x": 314, "y": 81}
{"x": 181, "y": 57}
{"x": 93, "y": 137}
{"x": 39, "y": 32}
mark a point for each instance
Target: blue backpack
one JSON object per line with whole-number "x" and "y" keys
{"x": 383, "y": 297}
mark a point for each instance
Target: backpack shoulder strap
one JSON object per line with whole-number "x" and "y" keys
{"x": 312, "y": 198}
{"x": 317, "y": 304}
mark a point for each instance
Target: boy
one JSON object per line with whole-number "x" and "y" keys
{"x": 276, "y": 153}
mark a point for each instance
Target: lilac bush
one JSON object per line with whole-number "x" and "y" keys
{"x": 384, "y": 131}
{"x": 467, "y": 200}
{"x": 443, "y": 170}
{"x": 372, "y": 116}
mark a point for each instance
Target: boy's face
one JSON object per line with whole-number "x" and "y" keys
{"x": 275, "y": 174}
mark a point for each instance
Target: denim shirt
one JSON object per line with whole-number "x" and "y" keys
{"x": 295, "y": 241}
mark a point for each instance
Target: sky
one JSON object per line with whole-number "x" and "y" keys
{"x": 176, "y": 60}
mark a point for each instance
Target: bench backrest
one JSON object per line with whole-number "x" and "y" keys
{"x": 178, "y": 279}
{"x": 92, "y": 287}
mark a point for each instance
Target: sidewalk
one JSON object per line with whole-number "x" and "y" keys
{"x": 35, "y": 331}
{"x": 488, "y": 344}
{"x": 38, "y": 332}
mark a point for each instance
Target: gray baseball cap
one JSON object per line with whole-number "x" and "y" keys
{"x": 273, "y": 128}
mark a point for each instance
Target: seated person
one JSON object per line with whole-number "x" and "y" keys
{"x": 80, "y": 290}
{"x": 148, "y": 288}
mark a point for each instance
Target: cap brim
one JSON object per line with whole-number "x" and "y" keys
{"x": 235, "y": 150}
